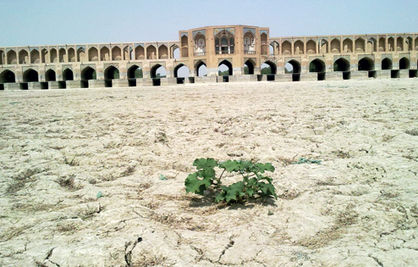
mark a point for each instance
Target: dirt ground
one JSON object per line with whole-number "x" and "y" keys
{"x": 95, "y": 177}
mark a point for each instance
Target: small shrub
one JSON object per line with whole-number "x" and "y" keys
{"x": 254, "y": 184}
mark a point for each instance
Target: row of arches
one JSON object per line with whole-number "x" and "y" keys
{"x": 224, "y": 69}
{"x": 346, "y": 45}
{"x": 105, "y": 53}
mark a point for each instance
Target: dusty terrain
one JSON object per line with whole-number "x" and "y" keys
{"x": 80, "y": 175}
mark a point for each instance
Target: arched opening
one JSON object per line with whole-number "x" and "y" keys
{"x": 1, "y": 57}
{"x": 151, "y": 52}
{"x": 109, "y": 74}
{"x": 404, "y": 63}
{"x": 382, "y": 44}
{"x": 224, "y": 42}
{"x": 93, "y": 54}
{"x": 104, "y": 54}
{"x": 360, "y": 47}
{"x": 87, "y": 74}
{"x": 50, "y": 75}
{"x": 157, "y": 72}
{"x": 53, "y": 54}
{"x": 335, "y": 46}
{"x": 199, "y": 45}
{"x": 271, "y": 50}
{"x": 181, "y": 72}
{"x": 299, "y": 48}
{"x": 7, "y": 76}
{"x": 341, "y": 64}
{"x": 371, "y": 45}
{"x": 67, "y": 75}
{"x": 34, "y": 57}
{"x": 399, "y": 44}
{"x": 391, "y": 44}
{"x": 201, "y": 69}
{"x": 311, "y": 47}
{"x": 139, "y": 52}
{"x": 249, "y": 67}
{"x": 116, "y": 53}
{"x": 184, "y": 46}
{"x": 30, "y": 76}
{"x": 409, "y": 43}
{"x": 81, "y": 54}
{"x": 264, "y": 43}
{"x": 317, "y": 65}
{"x": 366, "y": 64}
{"x": 11, "y": 57}
{"x": 44, "y": 55}
{"x": 62, "y": 55}
{"x": 269, "y": 69}
{"x": 323, "y": 46}
{"x": 71, "y": 55}
{"x": 225, "y": 68}
{"x": 249, "y": 43}
{"x": 386, "y": 64}
{"x": 348, "y": 46}
{"x": 126, "y": 54}
{"x": 134, "y": 72}
{"x": 23, "y": 57}
{"x": 286, "y": 48}
{"x": 293, "y": 67}
{"x": 162, "y": 52}
{"x": 176, "y": 52}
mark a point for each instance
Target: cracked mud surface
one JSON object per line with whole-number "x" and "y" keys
{"x": 80, "y": 175}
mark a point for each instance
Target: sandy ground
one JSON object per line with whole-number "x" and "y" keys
{"x": 80, "y": 175}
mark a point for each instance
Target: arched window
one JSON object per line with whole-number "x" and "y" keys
{"x": 224, "y": 42}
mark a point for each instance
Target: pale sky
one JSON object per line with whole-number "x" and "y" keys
{"x": 43, "y": 22}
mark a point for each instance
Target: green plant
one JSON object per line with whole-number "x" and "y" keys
{"x": 254, "y": 184}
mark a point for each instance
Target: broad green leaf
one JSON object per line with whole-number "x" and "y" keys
{"x": 267, "y": 189}
{"x": 202, "y": 163}
{"x": 234, "y": 190}
{"x": 195, "y": 185}
{"x": 220, "y": 197}
{"x": 230, "y": 165}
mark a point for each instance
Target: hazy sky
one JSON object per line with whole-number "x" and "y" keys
{"x": 38, "y": 22}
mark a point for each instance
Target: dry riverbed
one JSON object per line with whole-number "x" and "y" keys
{"x": 95, "y": 177}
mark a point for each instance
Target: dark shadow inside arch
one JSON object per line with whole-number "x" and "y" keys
{"x": 86, "y": 75}
{"x": 7, "y": 76}
{"x": 366, "y": 64}
{"x": 341, "y": 64}
{"x": 386, "y": 64}
{"x": 317, "y": 65}
{"x": 201, "y": 69}
{"x": 67, "y": 75}
{"x": 225, "y": 68}
{"x": 249, "y": 67}
{"x": 109, "y": 74}
{"x": 50, "y": 76}
{"x": 134, "y": 72}
{"x": 30, "y": 76}
{"x": 404, "y": 63}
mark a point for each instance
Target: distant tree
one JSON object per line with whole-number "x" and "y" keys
{"x": 138, "y": 73}
{"x": 266, "y": 70}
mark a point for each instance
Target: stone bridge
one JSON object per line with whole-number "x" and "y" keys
{"x": 225, "y": 53}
